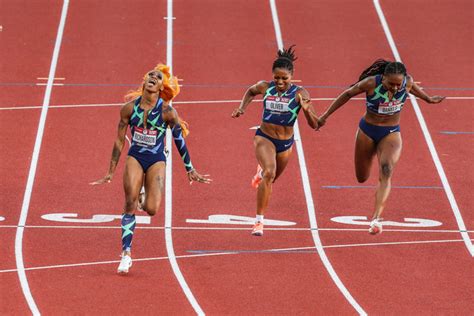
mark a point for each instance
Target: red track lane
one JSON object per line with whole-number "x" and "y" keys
{"x": 224, "y": 50}
{"x": 99, "y": 48}
{"x": 25, "y": 54}
{"x": 396, "y": 279}
{"x": 446, "y": 62}
{"x": 219, "y": 49}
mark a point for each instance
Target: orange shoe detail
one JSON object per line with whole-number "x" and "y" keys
{"x": 375, "y": 226}
{"x": 257, "y": 229}
{"x": 257, "y": 178}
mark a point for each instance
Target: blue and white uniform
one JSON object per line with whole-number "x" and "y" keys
{"x": 280, "y": 110}
{"x": 380, "y": 104}
{"x": 148, "y": 141}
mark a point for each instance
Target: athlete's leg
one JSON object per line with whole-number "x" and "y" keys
{"x": 132, "y": 181}
{"x": 266, "y": 157}
{"x": 154, "y": 183}
{"x": 282, "y": 159}
{"x": 389, "y": 150}
{"x": 364, "y": 153}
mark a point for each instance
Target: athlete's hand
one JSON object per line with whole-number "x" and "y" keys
{"x": 106, "y": 179}
{"x": 436, "y": 99}
{"x": 237, "y": 112}
{"x": 305, "y": 103}
{"x": 193, "y": 175}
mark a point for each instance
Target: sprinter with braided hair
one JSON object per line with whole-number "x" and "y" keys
{"x": 273, "y": 141}
{"x": 149, "y": 113}
{"x": 386, "y": 85}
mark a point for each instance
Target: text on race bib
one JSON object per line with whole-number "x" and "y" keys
{"x": 277, "y": 104}
{"x": 390, "y": 107}
{"x": 144, "y": 137}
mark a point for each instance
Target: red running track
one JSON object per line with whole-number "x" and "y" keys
{"x": 219, "y": 49}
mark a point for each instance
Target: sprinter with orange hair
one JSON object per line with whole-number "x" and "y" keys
{"x": 148, "y": 112}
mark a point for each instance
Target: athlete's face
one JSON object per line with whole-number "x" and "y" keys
{"x": 154, "y": 80}
{"x": 393, "y": 82}
{"x": 282, "y": 78}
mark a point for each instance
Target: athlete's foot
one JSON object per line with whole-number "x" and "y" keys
{"x": 257, "y": 229}
{"x": 375, "y": 226}
{"x": 257, "y": 178}
{"x": 125, "y": 264}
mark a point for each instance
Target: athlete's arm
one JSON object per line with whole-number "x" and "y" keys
{"x": 418, "y": 92}
{"x": 365, "y": 85}
{"x": 305, "y": 101}
{"x": 258, "y": 88}
{"x": 171, "y": 117}
{"x": 125, "y": 114}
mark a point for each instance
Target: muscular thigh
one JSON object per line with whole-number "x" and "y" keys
{"x": 364, "y": 152}
{"x": 389, "y": 149}
{"x": 132, "y": 177}
{"x": 154, "y": 182}
{"x": 265, "y": 153}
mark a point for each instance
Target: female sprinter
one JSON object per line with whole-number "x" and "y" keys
{"x": 282, "y": 102}
{"x": 148, "y": 113}
{"x": 386, "y": 85}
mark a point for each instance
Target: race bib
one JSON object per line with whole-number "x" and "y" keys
{"x": 277, "y": 104}
{"x": 144, "y": 137}
{"x": 390, "y": 107}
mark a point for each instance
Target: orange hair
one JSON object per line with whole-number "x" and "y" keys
{"x": 170, "y": 91}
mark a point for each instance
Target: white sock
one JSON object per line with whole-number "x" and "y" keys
{"x": 259, "y": 218}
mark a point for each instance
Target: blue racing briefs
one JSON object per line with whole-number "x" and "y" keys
{"x": 281, "y": 145}
{"x": 146, "y": 160}
{"x": 375, "y": 132}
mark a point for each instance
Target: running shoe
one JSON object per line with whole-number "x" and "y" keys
{"x": 257, "y": 178}
{"x": 375, "y": 226}
{"x": 125, "y": 264}
{"x": 257, "y": 229}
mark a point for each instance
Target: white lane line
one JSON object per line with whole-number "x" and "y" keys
{"x": 429, "y": 141}
{"x": 211, "y": 253}
{"x": 34, "y": 162}
{"x": 179, "y": 102}
{"x": 169, "y": 187}
{"x": 307, "y": 190}
{"x": 238, "y": 228}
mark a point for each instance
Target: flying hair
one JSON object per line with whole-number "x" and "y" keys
{"x": 285, "y": 59}
{"x": 170, "y": 90}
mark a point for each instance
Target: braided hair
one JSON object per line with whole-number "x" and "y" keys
{"x": 382, "y": 66}
{"x": 285, "y": 59}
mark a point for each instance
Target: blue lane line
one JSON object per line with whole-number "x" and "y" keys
{"x": 456, "y": 133}
{"x": 205, "y": 85}
{"x": 373, "y": 187}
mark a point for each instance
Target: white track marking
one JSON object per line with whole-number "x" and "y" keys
{"x": 180, "y": 102}
{"x": 236, "y": 228}
{"x": 233, "y": 252}
{"x": 169, "y": 185}
{"x": 307, "y": 190}
{"x": 429, "y": 141}
{"x": 34, "y": 162}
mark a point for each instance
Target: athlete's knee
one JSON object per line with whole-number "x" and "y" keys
{"x": 131, "y": 204}
{"x": 362, "y": 178}
{"x": 269, "y": 175}
{"x": 151, "y": 211}
{"x": 386, "y": 170}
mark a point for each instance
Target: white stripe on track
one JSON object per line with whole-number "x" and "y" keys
{"x": 307, "y": 190}
{"x": 34, "y": 162}
{"x": 169, "y": 184}
{"x": 429, "y": 141}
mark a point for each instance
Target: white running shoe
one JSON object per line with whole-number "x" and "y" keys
{"x": 125, "y": 264}
{"x": 375, "y": 226}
